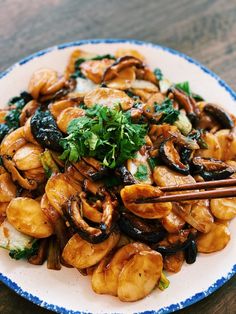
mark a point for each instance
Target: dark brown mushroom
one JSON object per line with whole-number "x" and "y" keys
{"x": 86, "y": 168}
{"x": 187, "y": 102}
{"x": 120, "y": 64}
{"x": 92, "y": 234}
{"x": 220, "y": 115}
{"x": 126, "y": 177}
{"x": 211, "y": 169}
{"x": 170, "y": 156}
{"x": 141, "y": 229}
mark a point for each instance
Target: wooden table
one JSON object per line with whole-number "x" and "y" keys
{"x": 203, "y": 29}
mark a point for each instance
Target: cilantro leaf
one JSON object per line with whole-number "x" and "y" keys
{"x": 169, "y": 114}
{"x": 142, "y": 173}
{"x": 105, "y": 133}
{"x": 158, "y": 73}
{"x": 184, "y": 86}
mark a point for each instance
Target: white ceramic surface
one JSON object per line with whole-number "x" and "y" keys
{"x": 66, "y": 291}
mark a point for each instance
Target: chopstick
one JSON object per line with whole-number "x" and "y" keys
{"x": 189, "y": 196}
{"x": 199, "y": 185}
{"x": 229, "y": 192}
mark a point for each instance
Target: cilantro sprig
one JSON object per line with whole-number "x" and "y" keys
{"x": 105, "y": 133}
{"x": 169, "y": 113}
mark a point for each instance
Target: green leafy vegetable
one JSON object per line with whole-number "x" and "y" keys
{"x": 142, "y": 173}
{"x": 169, "y": 114}
{"x": 184, "y": 86}
{"x": 26, "y": 252}
{"x": 12, "y": 117}
{"x": 197, "y": 97}
{"x": 108, "y": 56}
{"x": 4, "y": 129}
{"x": 153, "y": 162}
{"x": 164, "y": 282}
{"x": 158, "y": 74}
{"x": 78, "y": 72}
{"x": 104, "y": 133}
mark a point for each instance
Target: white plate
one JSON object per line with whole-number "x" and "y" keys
{"x": 66, "y": 291}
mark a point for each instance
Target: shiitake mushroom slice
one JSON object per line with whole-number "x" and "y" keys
{"x": 220, "y": 115}
{"x": 120, "y": 64}
{"x": 211, "y": 169}
{"x": 141, "y": 229}
{"x": 171, "y": 157}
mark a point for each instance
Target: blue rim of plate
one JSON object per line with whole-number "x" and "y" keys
{"x": 173, "y": 307}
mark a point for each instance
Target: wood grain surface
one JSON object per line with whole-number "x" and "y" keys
{"x": 203, "y": 29}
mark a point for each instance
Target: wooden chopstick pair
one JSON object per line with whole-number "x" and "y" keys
{"x": 229, "y": 192}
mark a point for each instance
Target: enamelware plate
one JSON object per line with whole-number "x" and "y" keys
{"x": 67, "y": 291}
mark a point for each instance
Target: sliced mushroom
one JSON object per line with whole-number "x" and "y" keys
{"x": 73, "y": 212}
{"x": 120, "y": 64}
{"x": 212, "y": 169}
{"x": 220, "y": 115}
{"x": 171, "y": 157}
{"x": 140, "y": 229}
{"x": 88, "y": 171}
{"x": 125, "y": 175}
{"x": 187, "y": 102}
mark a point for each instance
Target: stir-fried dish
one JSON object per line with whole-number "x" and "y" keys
{"x": 79, "y": 149}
